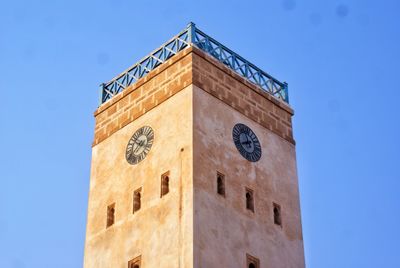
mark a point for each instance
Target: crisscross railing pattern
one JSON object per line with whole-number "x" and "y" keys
{"x": 193, "y": 36}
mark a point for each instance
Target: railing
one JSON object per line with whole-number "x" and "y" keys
{"x": 192, "y": 36}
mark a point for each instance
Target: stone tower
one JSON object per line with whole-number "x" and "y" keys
{"x": 193, "y": 164}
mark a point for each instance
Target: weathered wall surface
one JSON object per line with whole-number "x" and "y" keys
{"x": 161, "y": 231}
{"x": 224, "y": 230}
{"x": 192, "y": 102}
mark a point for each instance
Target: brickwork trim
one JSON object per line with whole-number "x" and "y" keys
{"x": 147, "y": 93}
{"x": 280, "y": 103}
{"x": 242, "y": 95}
{"x": 193, "y": 66}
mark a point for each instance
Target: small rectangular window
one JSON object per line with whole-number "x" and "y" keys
{"x": 249, "y": 199}
{"x": 164, "y": 184}
{"x": 110, "y": 215}
{"x": 135, "y": 263}
{"x": 220, "y": 184}
{"x": 277, "y": 214}
{"x": 252, "y": 262}
{"x": 137, "y": 195}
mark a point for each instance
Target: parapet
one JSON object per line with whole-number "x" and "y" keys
{"x": 192, "y": 36}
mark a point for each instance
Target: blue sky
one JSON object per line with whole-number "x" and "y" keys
{"x": 340, "y": 58}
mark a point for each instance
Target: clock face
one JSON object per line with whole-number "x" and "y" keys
{"x": 139, "y": 145}
{"x": 246, "y": 142}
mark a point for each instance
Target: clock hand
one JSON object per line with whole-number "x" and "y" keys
{"x": 247, "y": 142}
{"x": 140, "y": 144}
{"x": 138, "y": 141}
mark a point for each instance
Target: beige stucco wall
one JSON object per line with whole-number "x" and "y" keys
{"x": 161, "y": 231}
{"x": 224, "y": 231}
{"x": 192, "y": 103}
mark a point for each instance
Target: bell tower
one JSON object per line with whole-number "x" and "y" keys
{"x": 193, "y": 164}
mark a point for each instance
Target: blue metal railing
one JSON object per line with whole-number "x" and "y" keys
{"x": 192, "y": 36}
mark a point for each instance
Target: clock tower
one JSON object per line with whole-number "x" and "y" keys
{"x": 193, "y": 164}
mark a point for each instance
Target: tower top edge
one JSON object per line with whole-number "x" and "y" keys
{"x": 193, "y": 36}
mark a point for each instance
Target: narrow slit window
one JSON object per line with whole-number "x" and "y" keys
{"x": 110, "y": 215}
{"x": 137, "y": 195}
{"x": 134, "y": 263}
{"x": 220, "y": 184}
{"x": 249, "y": 199}
{"x": 277, "y": 214}
{"x": 252, "y": 262}
{"x": 164, "y": 184}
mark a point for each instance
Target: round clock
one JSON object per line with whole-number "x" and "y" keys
{"x": 139, "y": 145}
{"x": 246, "y": 142}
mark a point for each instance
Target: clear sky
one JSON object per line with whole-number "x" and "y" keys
{"x": 340, "y": 58}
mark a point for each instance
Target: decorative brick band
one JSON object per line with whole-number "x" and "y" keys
{"x": 192, "y": 66}
{"x": 159, "y": 85}
{"x": 247, "y": 98}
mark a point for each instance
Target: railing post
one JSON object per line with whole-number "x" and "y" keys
{"x": 286, "y": 90}
{"x": 101, "y": 90}
{"x": 191, "y": 32}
